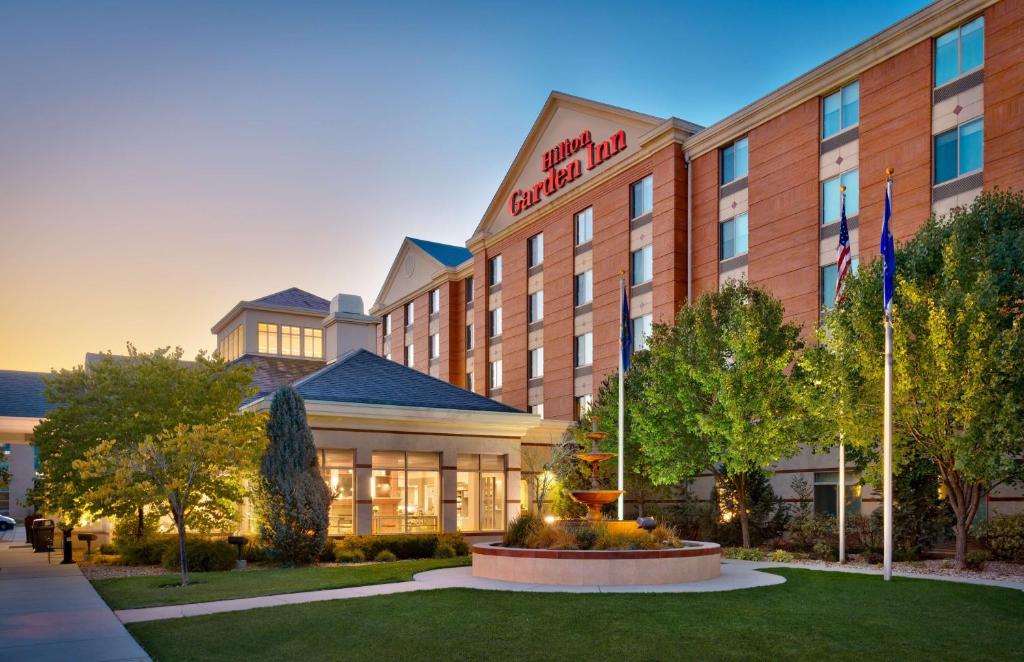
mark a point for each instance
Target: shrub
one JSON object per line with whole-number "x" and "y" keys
{"x": 586, "y": 535}
{"x": 107, "y": 548}
{"x": 823, "y": 552}
{"x": 444, "y": 551}
{"x": 1004, "y": 536}
{"x": 350, "y": 556}
{"x": 665, "y": 533}
{"x": 520, "y": 528}
{"x": 254, "y": 553}
{"x": 636, "y": 539}
{"x": 551, "y": 537}
{"x": 327, "y": 554}
{"x": 405, "y": 546}
{"x": 203, "y": 555}
{"x": 807, "y": 531}
{"x": 977, "y": 559}
{"x": 744, "y": 553}
{"x": 455, "y": 541}
{"x": 126, "y": 529}
{"x": 780, "y": 556}
{"x": 145, "y": 552}
{"x": 385, "y": 556}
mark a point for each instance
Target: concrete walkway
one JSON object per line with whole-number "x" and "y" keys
{"x": 861, "y": 570}
{"x": 50, "y": 611}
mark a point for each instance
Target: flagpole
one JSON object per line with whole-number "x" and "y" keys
{"x": 622, "y": 420}
{"x": 842, "y": 447}
{"x": 887, "y": 428}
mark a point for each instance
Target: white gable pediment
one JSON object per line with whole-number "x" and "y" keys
{"x": 412, "y": 270}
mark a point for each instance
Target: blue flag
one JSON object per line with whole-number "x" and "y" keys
{"x": 888, "y": 249}
{"x": 626, "y": 332}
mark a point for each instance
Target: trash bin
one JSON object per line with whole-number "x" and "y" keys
{"x": 28, "y": 527}
{"x": 42, "y": 535}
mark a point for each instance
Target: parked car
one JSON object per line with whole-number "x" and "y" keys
{"x": 6, "y": 523}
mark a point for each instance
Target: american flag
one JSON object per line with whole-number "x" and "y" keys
{"x": 842, "y": 251}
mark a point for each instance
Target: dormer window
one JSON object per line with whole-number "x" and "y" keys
{"x": 266, "y": 338}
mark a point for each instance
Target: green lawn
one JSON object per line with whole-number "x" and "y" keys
{"x": 131, "y": 592}
{"x": 814, "y": 615}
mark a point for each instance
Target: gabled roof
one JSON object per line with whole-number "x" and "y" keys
{"x": 22, "y": 394}
{"x": 271, "y": 372}
{"x": 362, "y": 377}
{"x": 293, "y": 297}
{"x": 446, "y": 254}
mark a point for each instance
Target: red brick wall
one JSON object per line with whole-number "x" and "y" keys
{"x": 895, "y": 132}
{"x": 704, "y": 208}
{"x": 611, "y": 259}
{"x": 398, "y": 334}
{"x": 420, "y": 333}
{"x": 669, "y": 233}
{"x": 480, "y": 323}
{"x": 559, "y": 244}
{"x": 453, "y": 334}
{"x": 513, "y": 320}
{"x": 1004, "y": 95}
{"x": 783, "y": 196}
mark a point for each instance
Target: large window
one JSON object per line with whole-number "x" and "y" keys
{"x": 642, "y": 265}
{"x": 734, "y": 161}
{"x": 642, "y": 331}
{"x": 410, "y": 357}
{"x": 959, "y": 151}
{"x": 494, "y": 270}
{"x": 434, "y": 301}
{"x": 469, "y": 336}
{"x": 581, "y": 405}
{"x": 494, "y": 323}
{"x": 535, "y": 363}
{"x": 313, "y": 343}
{"x": 266, "y": 338}
{"x": 387, "y": 325}
{"x": 480, "y": 481}
{"x": 959, "y": 51}
{"x": 435, "y": 345}
{"x": 231, "y": 346}
{"x": 584, "y": 349}
{"x": 829, "y": 276}
{"x": 733, "y": 239}
{"x": 535, "y": 250}
{"x": 830, "y": 194}
{"x": 585, "y": 226}
{"x": 469, "y": 381}
{"x": 826, "y": 493}
{"x": 641, "y": 195}
{"x": 840, "y": 110}
{"x": 584, "y": 288}
{"x": 469, "y": 290}
{"x": 336, "y": 466}
{"x": 410, "y": 313}
{"x": 406, "y": 492}
{"x": 291, "y": 340}
{"x": 535, "y": 307}
{"x": 494, "y": 374}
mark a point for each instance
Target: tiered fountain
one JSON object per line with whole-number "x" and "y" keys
{"x": 595, "y": 499}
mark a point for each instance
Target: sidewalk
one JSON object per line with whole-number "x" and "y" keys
{"x": 50, "y": 611}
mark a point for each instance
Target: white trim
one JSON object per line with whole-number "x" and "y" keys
{"x": 18, "y": 424}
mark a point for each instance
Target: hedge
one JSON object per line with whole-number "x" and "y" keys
{"x": 403, "y": 546}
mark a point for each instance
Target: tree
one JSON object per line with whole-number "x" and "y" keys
{"x": 717, "y": 394}
{"x": 199, "y": 471}
{"x": 125, "y": 399}
{"x": 294, "y": 497}
{"x": 958, "y": 344}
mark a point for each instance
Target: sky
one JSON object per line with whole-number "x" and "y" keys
{"x": 160, "y": 162}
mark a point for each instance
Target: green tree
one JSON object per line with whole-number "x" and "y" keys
{"x": 717, "y": 393}
{"x": 958, "y": 344}
{"x": 294, "y": 497}
{"x": 199, "y": 471}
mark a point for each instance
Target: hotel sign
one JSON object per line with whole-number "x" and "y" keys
{"x": 563, "y": 164}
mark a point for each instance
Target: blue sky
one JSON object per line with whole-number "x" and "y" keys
{"x": 182, "y": 156}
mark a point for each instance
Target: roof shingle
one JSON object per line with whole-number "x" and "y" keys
{"x": 293, "y": 297}
{"x": 270, "y": 373}
{"x": 21, "y": 394}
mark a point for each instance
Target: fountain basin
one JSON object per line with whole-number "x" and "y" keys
{"x": 697, "y": 561}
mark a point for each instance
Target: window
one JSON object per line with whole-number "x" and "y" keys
{"x": 313, "y": 343}
{"x": 840, "y": 110}
{"x": 230, "y": 347}
{"x": 830, "y": 196}
{"x": 641, "y": 195}
{"x": 826, "y": 493}
{"x": 959, "y": 151}
{"x": 387, "y": 325}
{"x": 584, "y": 288}
{"x": 469, "y": 381}
{"x": 585, "y": 226}
{"x": 642, "y": 265}
{"x": 406, "y": 492}
{"x": 410, "y": 357}
{"x": 581, "y": 405}
{"x": 494, "y": 323}
{"x": 291, "y": 340}
{"x": 434, "y": 301}
{"x": 266, "y": 338}
{"x": 469, "y": 290}
{"x": 584, "y": 349}
{"x": 537, "y": 409}
{"x": 535, "y": 250}
{"x": 410, "y": 313}
{"x": 829, "y": 275}
{"x": 494, "y": 270}
{"x": 959, "y": 51}
{"x": 734, "y": 161}
{"x": 480, "y": 488}
{"x": 733, "y": 239}
{"x": 535, "y": 363}
{"x": 494, "y": 374}
{"x": 642, "y": 331}
{"x": 469, "y": 336}
{"x": 535, "y": 307}
{"x": 435, "y": 345}
{"x": 336, "y": 467}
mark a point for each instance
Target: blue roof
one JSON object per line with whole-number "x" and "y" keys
{"x": 362, "y": 377}
{"x": 293, "y": 297}
{"x": 21, "y": 394}
{"x": 446, "y": 254}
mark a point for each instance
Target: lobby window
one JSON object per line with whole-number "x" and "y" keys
{"x": 494, "y": 374}
{"x": 434, "y": 301}
{"x": 581, "y": 405}
{"x": 469, "y": 336}
{"x": 266, "y": 338}
{"x": 494, "y": 323}
{"x": 387, "y": 325}
{"x": 313, "y": 343}
{"x": 584, "y": 350}
{"x": 535, "y": 307}
{"x": 535, "y": 250}
{"x": 959, "y": 51}
{"x": 733, "y": 237}
{"x": 480, "y": 491}
{"x": 336, "y": 467}
{"x": 830, "y": 196}
{"x": 735, "y": 162}
{"x": 435, "y": 345}
{"x": 959, "y": 151}
{"x": 584, "y": 288}
{"x": 641, "y": 197}
{"x": 410, "y": 358}
{"x": 469, "y": 381}
{"x": 840, "y": 110}
{"x": 585, "y": 226}
{"x": 494, "y": 271}
{"x": 406, "y": 492}
{"x": 642, "y": 331}
{"x": 829, "y": 275}
{"x": 410, "y": 313}
{"x": 826, "y": 493}
{"x": 535, "y": 363}
{"x": 537, "y": 409}
{"x": 642, "y": 265}
{"x": 291, "y": 340}
{"x": 469, "y": 290}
